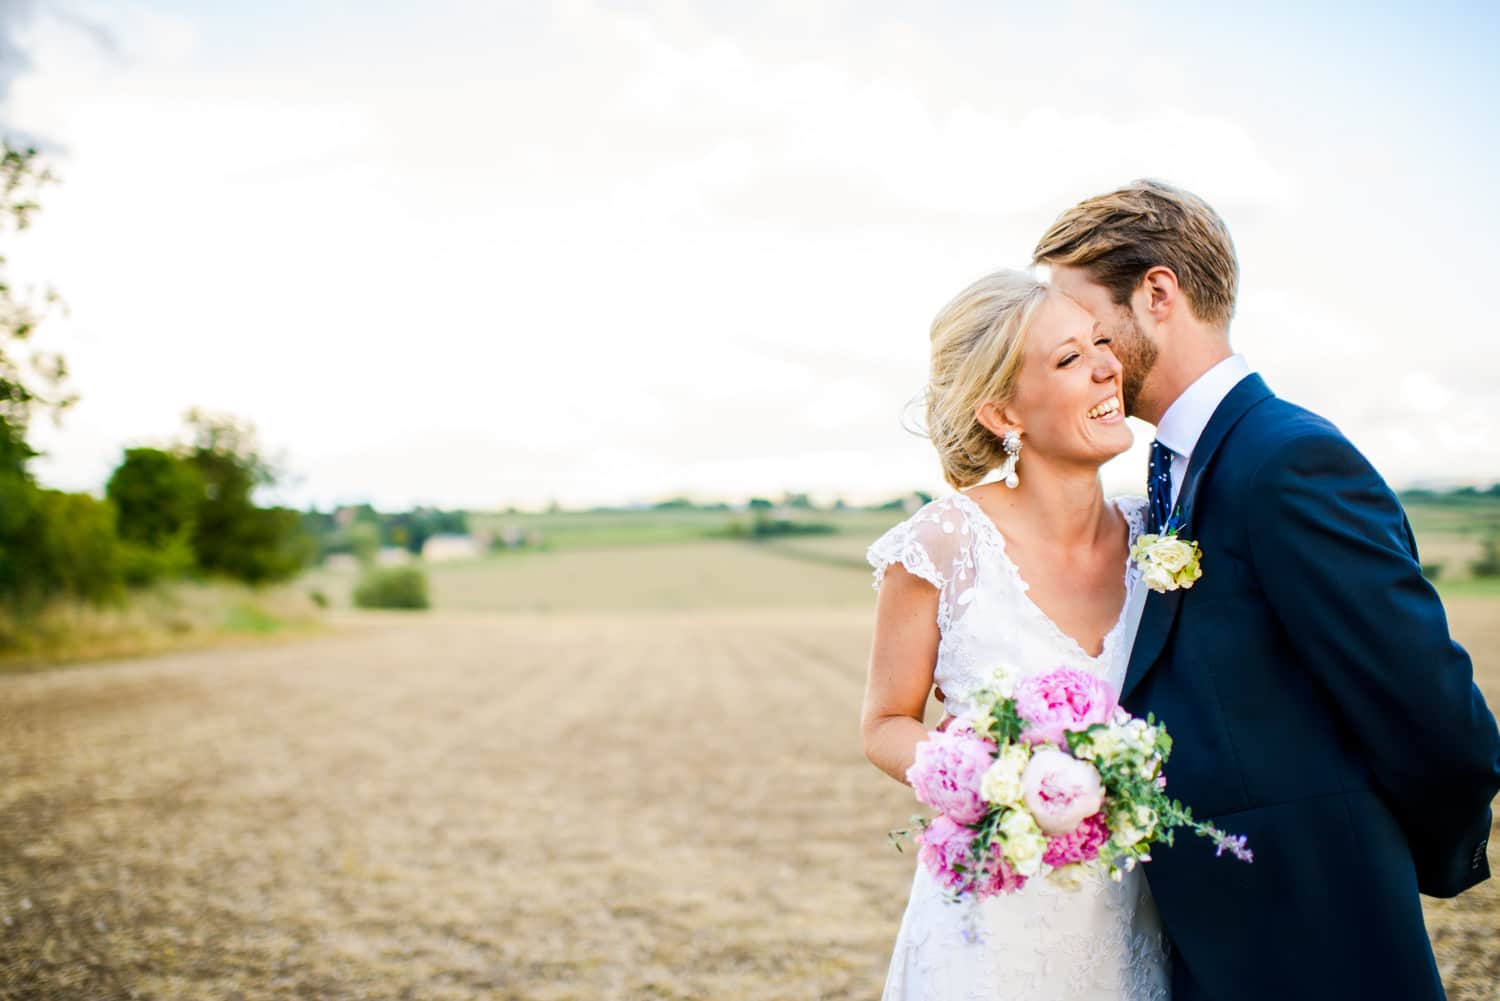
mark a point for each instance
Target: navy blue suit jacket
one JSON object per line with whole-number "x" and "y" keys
{"x": 1318, "y": 706}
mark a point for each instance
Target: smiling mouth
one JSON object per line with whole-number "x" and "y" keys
{"x": 1107, "y": 408}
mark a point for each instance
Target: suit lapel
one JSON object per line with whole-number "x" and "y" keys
{"x": 1161, "y": 607}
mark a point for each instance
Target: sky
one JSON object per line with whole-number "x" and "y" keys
{"x": 489, "y": 254}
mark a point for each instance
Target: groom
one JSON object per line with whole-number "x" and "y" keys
{"x": 1316, "y": 701}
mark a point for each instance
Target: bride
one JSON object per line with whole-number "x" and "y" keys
{"x": 1031, "y": 571}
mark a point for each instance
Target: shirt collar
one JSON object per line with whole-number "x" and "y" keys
{"x": 1183, "y": 423}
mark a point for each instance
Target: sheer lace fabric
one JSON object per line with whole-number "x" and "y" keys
{"x": 1102, "y": 942}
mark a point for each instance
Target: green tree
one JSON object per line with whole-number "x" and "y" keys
{"x": 51, "y": 543}
{"x": 230, "y": 534}
{"x": 26, "y": 384}
{"x": 364, "y": 541}
{"x": 156, "y": 494}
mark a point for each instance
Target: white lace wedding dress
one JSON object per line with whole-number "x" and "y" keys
{"x": 1101, "y": 942}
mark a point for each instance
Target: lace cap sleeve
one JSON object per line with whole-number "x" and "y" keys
{"x": 1134, "y": 510}
{"x": 927, "y": 544}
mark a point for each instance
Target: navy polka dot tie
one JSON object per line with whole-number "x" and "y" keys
{"x": 1159, "y": 486}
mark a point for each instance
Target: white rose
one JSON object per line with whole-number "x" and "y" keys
{"x": 1158, "y": 578}
{"x": 977, "y": 720}
{"x": 1003, "y": 682}
{"x": 1171, "y": 554}
{"x": 1145, "y": 738}
{"x": 1060, "y": 790}
{"x": 1124, "y": 831}
{"x": 1108, "y": 743}
{"x": 1024, "y": 843}
{"x": 1001, "y": 782}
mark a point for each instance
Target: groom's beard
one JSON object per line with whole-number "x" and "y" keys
{"x": 1137, "y": 355}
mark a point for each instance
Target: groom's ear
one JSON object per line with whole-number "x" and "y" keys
{"x": 1158, "y": 293}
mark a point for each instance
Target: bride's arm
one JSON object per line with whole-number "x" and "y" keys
{"x": 902, "y": 658}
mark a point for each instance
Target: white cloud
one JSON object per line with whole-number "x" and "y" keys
{"x": 599, "y": 252}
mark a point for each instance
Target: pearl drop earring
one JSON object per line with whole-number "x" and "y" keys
{"x": 1011, "y": 442}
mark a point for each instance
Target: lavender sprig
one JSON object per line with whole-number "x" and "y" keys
{"x": 1231, "y": 844}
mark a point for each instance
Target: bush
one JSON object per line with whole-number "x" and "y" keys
{"x": 392, "y": 587}
{"x": 762, "y": 526}
{"x": 1432, "y": 571}
{"x": 1489, "y": 564}
{"x": 252, "y": 544}
{"x": 766, "y": 528}
{"x": 142, "y": 564}
{"x": 55, "y": 545}
{"x": 74, "y": 550}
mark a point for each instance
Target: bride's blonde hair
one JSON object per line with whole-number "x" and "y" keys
{"x": 978, "y": 341}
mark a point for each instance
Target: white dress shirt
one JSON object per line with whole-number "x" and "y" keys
{"x": 1183, "y": 423}
{"x": 1180, "y": 428}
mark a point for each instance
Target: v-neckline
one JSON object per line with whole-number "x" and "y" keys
{"x": 1025, "y": 587}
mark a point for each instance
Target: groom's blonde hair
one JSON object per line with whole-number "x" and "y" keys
{"x": 1118, "y": 237}
{"x": 978, "y": 341}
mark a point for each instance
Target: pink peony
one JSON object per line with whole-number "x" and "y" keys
{"x": 946, "y": 772}
{"x": 1081, "y": 845}
{"x": 1060, "y": 790}
{"x": 998, "y": 877}
{"x": 1063, "y": 699}
{"x": 945, "y": 845}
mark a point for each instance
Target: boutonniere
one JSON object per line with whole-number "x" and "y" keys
{"x": 1167, "y": 561}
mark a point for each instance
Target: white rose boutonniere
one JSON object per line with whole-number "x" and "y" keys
{"x": 1167, "y": 561}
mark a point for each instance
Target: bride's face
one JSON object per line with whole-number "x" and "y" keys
{"x": 1068, "y": 398}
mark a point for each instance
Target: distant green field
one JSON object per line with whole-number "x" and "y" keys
{"x": 697, "y": 576}
{"x": 1451, "y": 533}
{"x": 681, "y": 559}
{"x": 1449, "y": 536}
{"x": 588, "y": 529}
{"x": 595, "y": 529}
{"x": 1459, "y": 515}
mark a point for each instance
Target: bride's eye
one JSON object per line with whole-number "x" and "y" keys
{"x": 1070, "y": 359}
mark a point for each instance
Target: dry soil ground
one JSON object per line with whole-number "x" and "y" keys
{"x": 587, "y": 806}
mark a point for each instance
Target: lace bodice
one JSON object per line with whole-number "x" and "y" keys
{"x": 1101, "y": 942}
{"x": 985, "y": 615}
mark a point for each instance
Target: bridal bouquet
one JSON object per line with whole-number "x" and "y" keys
{"x": 1047, "y": 777}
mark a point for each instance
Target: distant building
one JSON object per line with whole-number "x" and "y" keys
{"x": 442, "y": 548}
{"x": 392, "y": 556}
